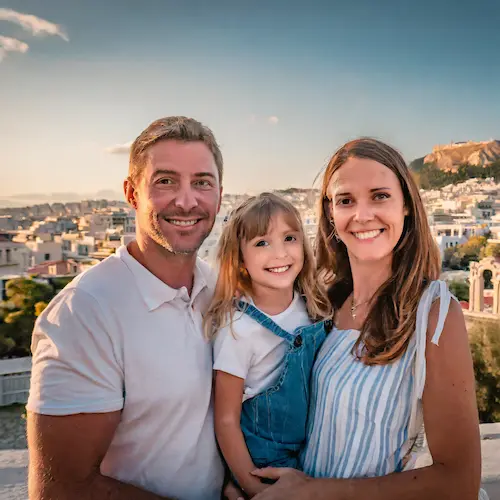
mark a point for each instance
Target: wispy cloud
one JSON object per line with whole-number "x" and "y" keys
{"x": 119, "y": 149}
{"x": 273, "y": 120}
{"x": 34, "y": 24}
{"x": 8, "y": 44}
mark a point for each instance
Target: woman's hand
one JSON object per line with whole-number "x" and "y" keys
{"x": 290, "y": 484}
{"x": 232, "y": 492}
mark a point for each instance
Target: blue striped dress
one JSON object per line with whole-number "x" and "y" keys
{"x": 364, "y": 419}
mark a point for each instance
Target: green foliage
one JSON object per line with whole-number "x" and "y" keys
{"x": 460, "y": 289}
{"x": 484, "y": 337}
{"x": 430, "y": 176}
{"x": 460, "y": 256}
{"x": 26, "y": 299}
{"x": 491, "y": 250}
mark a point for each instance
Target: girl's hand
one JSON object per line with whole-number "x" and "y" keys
{"x": 291, "y": 484}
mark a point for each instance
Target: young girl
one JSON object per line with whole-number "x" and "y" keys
{"x": 266, "y": 297}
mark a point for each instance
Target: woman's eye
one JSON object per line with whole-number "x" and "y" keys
{"x": 381, "y": 196}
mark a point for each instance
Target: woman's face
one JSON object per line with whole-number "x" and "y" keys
{"x": 367, "y": 208}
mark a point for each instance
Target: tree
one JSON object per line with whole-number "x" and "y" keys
{"x": 26, "y": 299}
{"x": 460, "y": 289}
{"x": 485, "y": 348}
{"x": 471, "y": 250}
{"x": 491, "y": 250}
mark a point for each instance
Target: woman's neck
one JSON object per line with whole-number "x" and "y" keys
{"x": 367, "y": 277}
{"x": 272, "y": 301}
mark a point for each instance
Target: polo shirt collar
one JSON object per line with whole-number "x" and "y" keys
{"x": 154, "y": 291}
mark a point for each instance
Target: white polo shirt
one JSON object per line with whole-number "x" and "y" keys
{"x": 118, "y": 338}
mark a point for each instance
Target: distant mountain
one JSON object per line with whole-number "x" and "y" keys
{"x": 451, "y": 156}
{"x": 458, "y": 162}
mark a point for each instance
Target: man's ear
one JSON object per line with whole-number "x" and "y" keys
{"x": 130, "y": 192}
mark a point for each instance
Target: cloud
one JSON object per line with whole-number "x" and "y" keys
{"x": 35, "y": 25}
{"x": 8, "y": 44}
{"x": 119, "y": 149}
{"x": 273, "y": 120}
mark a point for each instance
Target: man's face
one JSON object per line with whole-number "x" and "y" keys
{"x": 178, "y": 195}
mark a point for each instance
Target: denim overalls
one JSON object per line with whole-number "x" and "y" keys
{"x": 274, "y": 421}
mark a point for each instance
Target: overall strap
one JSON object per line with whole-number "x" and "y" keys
{"x": 263, "y": 320}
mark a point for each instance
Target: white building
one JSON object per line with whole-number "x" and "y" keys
{"x": 75, "y": 246}
{"x": 44, "y": 248}
{"x": 14, "y": 257}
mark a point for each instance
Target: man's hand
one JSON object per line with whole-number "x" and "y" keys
{"x": 290, "y": 484}
{"x": 232, "y": 492}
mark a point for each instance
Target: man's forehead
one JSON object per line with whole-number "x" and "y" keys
{"x": 189, "y": 157}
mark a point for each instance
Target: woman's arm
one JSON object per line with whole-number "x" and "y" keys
{"x": 228, "y": 400}
{"x": 452, "y": 427}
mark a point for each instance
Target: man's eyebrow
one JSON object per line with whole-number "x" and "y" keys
{"x": 204, "y": 174}
{"x": 163, "y": 171}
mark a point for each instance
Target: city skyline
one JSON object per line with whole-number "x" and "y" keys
{"x": 282, "y": 84}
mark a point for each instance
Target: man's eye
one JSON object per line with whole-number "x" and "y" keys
{"x": 165, "y": 181}
{"x": 204, "y": 183}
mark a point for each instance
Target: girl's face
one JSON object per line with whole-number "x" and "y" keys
{"x": 275, "y": 259}
{"x": 367, "y": 208}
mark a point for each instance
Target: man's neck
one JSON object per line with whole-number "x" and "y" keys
{"x": 176, "y": 271}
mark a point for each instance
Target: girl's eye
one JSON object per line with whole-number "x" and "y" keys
{"x": 290, "y": 238}
{"x": 343, "y": 201}
{"x": 261, "y": 243}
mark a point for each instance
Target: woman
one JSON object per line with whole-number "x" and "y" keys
{"x": 398, "y": 355}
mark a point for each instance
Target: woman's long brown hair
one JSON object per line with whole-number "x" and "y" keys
{"x": 251, "y": 219}
{"x": 391, "y": 320}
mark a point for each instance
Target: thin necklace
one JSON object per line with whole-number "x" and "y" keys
{"x": 355, "y": 306}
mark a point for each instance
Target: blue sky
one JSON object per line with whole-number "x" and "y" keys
{"x": 282, "y": 83}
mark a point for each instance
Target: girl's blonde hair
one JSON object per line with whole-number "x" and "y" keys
{"x": 391, "y": 320}
{"x": 250, "y": 220}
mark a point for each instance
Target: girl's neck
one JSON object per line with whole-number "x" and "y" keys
{"x": 272, "y": 302}
{"x": 367, "y": 277}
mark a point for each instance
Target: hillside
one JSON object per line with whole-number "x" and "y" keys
{"x": 449, "y": 157}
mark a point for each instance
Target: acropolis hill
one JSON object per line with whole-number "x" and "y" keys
{"x": 451, "y": 156}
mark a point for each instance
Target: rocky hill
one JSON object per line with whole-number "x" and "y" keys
{"x": 449, "y": 157}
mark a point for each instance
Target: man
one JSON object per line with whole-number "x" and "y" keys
{"x": 120, "y": 400}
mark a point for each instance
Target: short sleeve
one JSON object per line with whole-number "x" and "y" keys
{"x": 75, "y": 366}
{"x": 232, "y": 353}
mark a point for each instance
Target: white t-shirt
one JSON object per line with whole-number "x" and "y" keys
{"x": 115, "y": 331}
{"x": 254, "y": 353}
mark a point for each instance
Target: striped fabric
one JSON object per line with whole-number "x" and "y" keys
{"x": 361, "y": 416}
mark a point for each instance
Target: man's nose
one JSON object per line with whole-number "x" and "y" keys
{"x": 186, "y": 198}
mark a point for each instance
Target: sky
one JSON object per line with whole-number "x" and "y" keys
{"x": 282, "y": 83}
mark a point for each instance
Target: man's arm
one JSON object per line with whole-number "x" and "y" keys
{"x": 65, "y": 456}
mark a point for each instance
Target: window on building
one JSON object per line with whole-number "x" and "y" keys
{"x": 1, "y": 254}
{"x": 8, "y": 256}
{"x": 47, "y": 256}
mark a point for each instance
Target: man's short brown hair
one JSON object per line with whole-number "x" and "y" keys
{"x": 177, "y": 128}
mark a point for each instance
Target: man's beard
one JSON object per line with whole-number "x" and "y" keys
{"x": 159, "y": 238}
